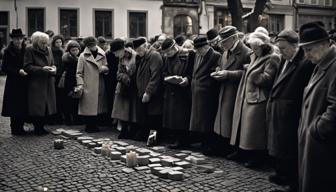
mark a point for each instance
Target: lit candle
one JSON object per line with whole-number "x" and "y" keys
{"x": 131, "y": 159}
{"x": 59, "y": 144}
{"x": 105, "y": 149}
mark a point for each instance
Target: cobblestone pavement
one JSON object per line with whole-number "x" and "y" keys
{"x": 29, "y": 162}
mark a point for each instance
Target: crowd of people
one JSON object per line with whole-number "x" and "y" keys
{"x": 246, "y": 97}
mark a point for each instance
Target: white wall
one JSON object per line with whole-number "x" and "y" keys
{"x": 120, "y": 7}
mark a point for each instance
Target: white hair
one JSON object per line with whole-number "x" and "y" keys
{"x": 258, "y": 38}
{"x": 262, "y": 30}
{"x": 38, "y": 36}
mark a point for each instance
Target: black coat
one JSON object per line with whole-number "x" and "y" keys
{"x": 149, "y": 80}
{"x": 204, "y": 92}
{"x": 41, "y": 84}
{"x": 177, "y": 99}
{"x": 70, "y": 67}
{"x": 284, "y": 105}
{"x": 57, "y": 55}
{"x": 111, "y": 78}
{"x": 15, "y": 93}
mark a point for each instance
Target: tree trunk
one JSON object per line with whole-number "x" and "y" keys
{"x": 253, "y": 20}
{"x": 236, "y": 11}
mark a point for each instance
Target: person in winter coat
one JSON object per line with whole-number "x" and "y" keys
{"x": 149, "y": 86}
{"x": 317, "y": 127}
{"x": 15, "y": 93}
{"x": 57, "y": 45}
{"x": 70, "y": 60}
{"x": 91, "y": 69}
{"x": 249, "y": 132}
{"x": 39, "y": 64}
{"x": 177, "y": 72}
{"x": 204, "y": 93}
{"x": 124, "y": 107}
{"x": 283, "y": 108}
{"x": 111, "y": 81}
{"x": 228, "y": 74}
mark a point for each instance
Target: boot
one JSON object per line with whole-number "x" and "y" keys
{"x": 124, "y": 132}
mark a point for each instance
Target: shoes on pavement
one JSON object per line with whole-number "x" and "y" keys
{"x": 41, "y": 132}
{"x": 277, "y": 179}
{"x": 235, "y": 156}
{"x": 178, "y": 145}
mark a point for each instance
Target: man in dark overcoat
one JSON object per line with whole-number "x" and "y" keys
{"x": 283, "y": 108}
{"x": 317, "y": 128}
{"x": 178, "y": 66}
{"x": 111, "y": 80}
{"x": 149, "y": 85}
{"x": 204, "y": 92}
{"x": 15, "y": 92}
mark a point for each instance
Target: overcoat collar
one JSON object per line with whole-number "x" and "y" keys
{"x": 206, "y": 58}
{"x": 297, "y": 59}
{"x": 143, "y": 61}
{"x": 234, "y": 55}
{"x": 89, "y": 57}
{"x": 256, "y": 62}
{"x": 320, "y": 70}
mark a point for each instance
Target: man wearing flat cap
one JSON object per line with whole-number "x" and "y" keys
{"x": 149, "y": 85}
{"x": 177, "y": 72}
{"x": 317, "y": 129}
{"x": 204, "y": 91}
{"x": 228, "y": 74}
{"x": 283, "y": 108}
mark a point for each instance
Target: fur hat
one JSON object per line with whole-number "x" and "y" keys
{"x": 90, "y": 40}
{"x": 117, "y": 44}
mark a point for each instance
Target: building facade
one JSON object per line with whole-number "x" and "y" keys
{"x": 315, "y": 10}
{"x": 132, "y": 18}
{"x": 280, "y": 15}
{"x": 73, "y": 18}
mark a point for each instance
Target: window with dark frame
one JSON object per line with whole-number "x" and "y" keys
{"x": 103, "y": 24}
{"x": 137, "y": 24}
{"x": 35, "y": 20}
{"x": 4, "y": 28}
{"x": 69, "y": 22}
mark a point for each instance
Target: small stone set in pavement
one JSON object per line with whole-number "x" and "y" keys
{"x": 138, "y": 158}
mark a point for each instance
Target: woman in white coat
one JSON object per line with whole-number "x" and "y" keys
{"x": 91, "y": 68}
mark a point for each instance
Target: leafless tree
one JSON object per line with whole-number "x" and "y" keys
{"x": 236, "y": 11}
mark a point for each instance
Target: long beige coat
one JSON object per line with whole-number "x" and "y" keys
{"x": 228, "y": 88}
{"x": 249, "y": 118}
{"x": 94, "y": 98}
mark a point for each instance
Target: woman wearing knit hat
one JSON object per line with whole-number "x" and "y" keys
{"x": 249, "y": 124}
